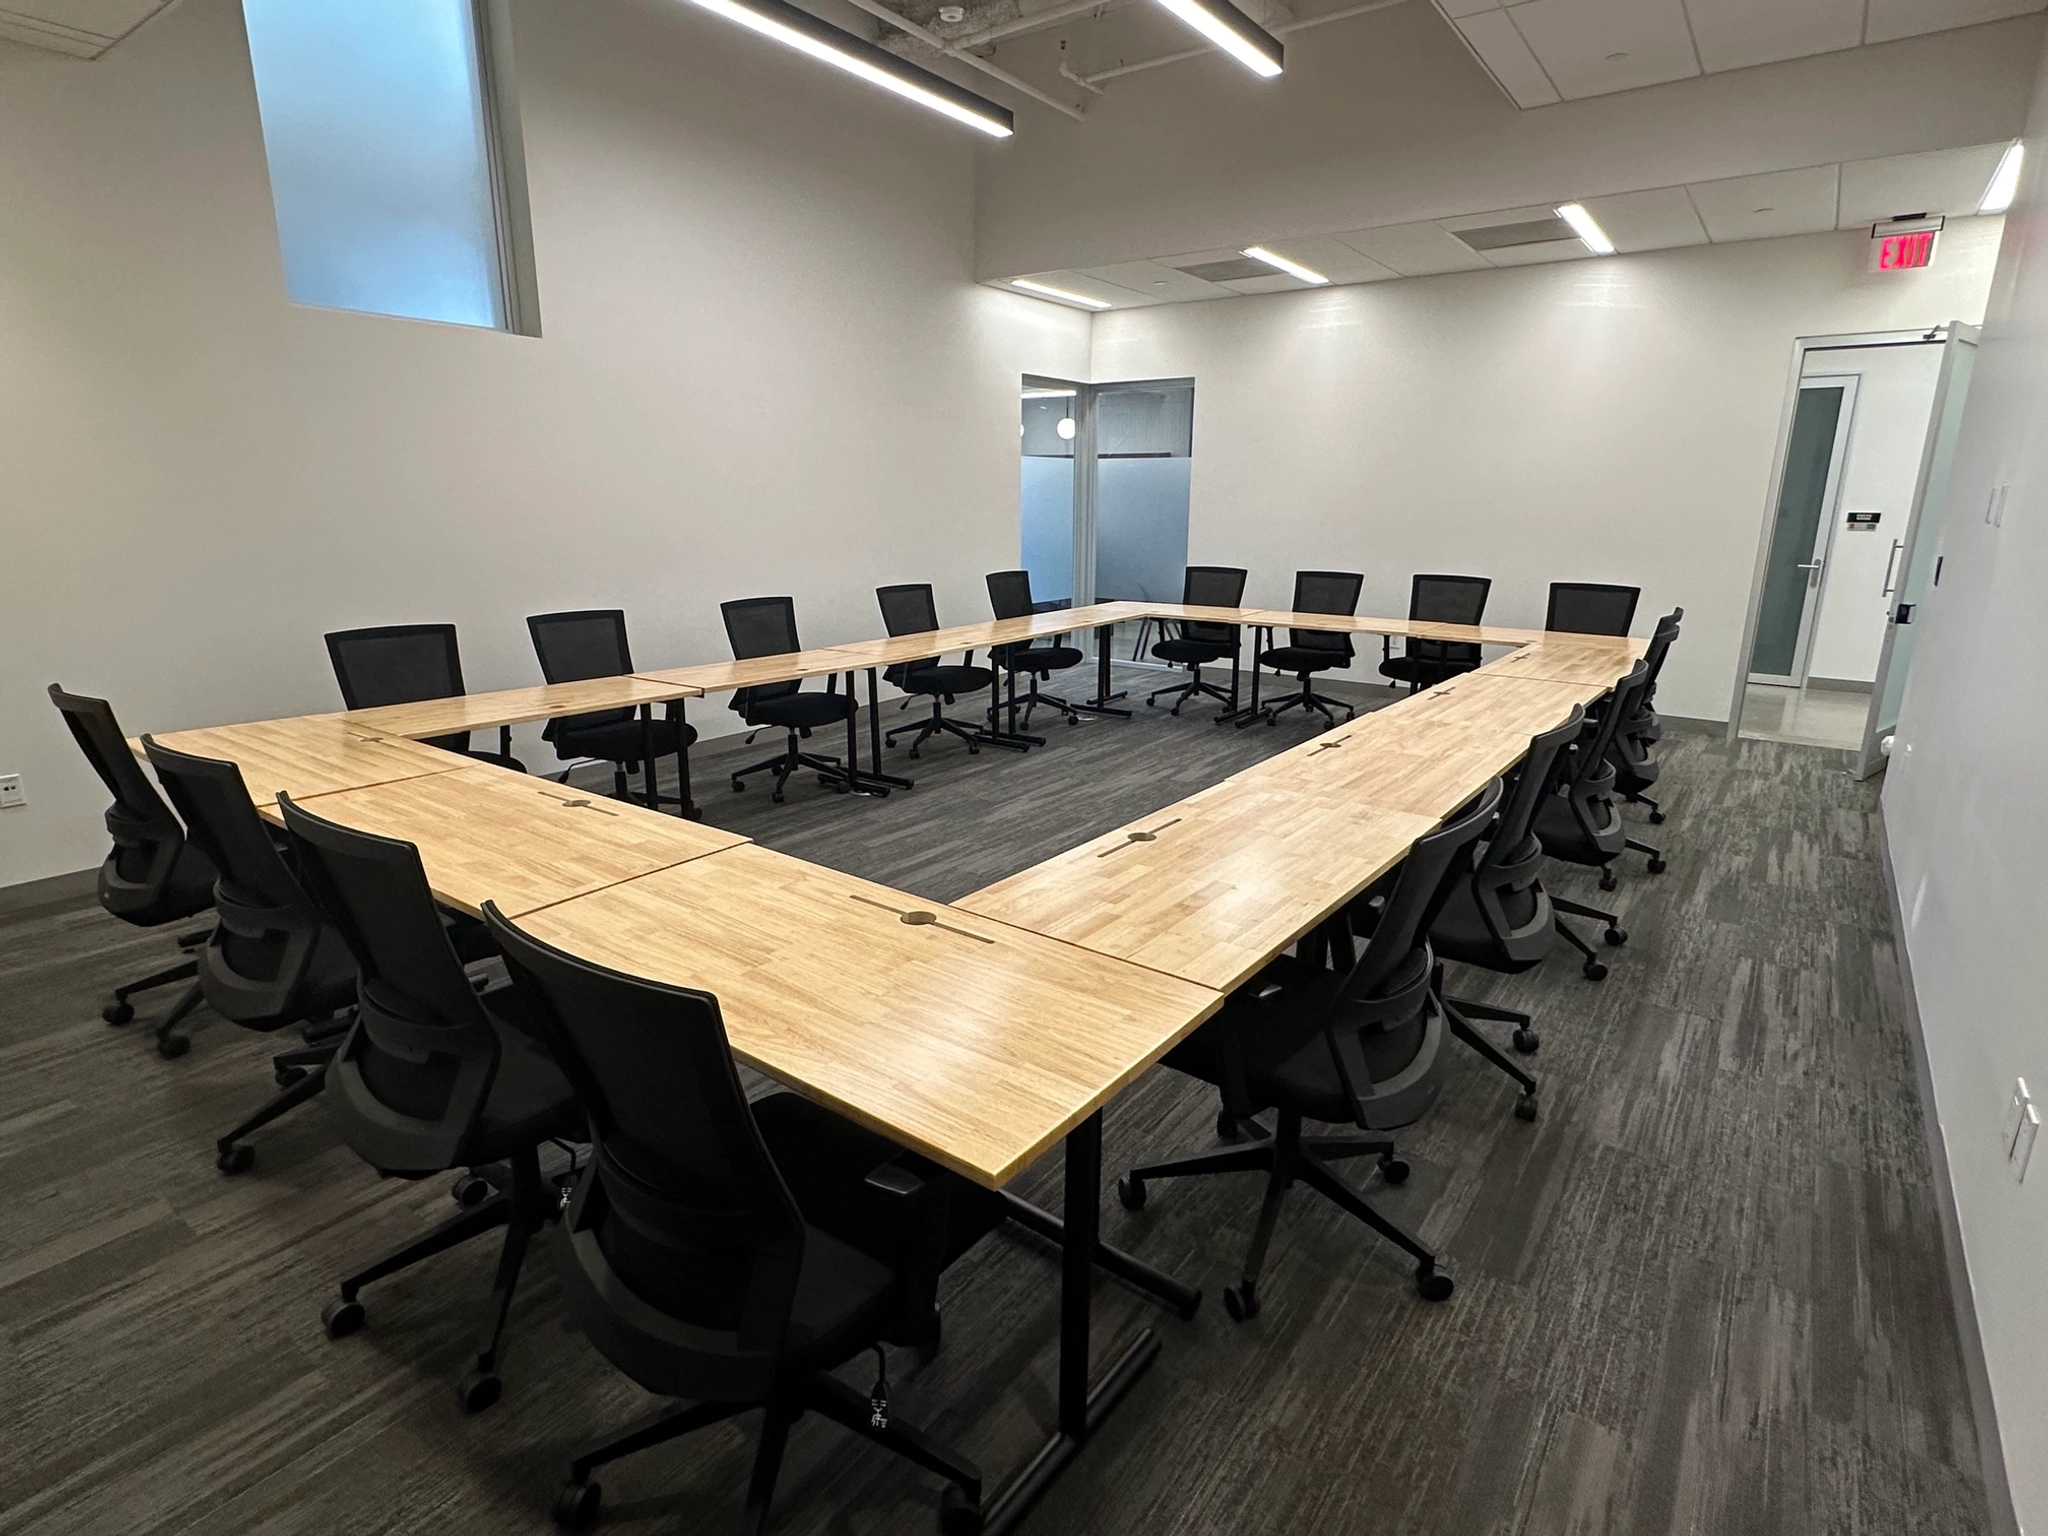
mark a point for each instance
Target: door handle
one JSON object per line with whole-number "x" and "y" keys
{"x": 1812, "y": 569}
{"x": 1891, "y": 560}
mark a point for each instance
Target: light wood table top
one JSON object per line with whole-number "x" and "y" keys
{"x": 1576, "y": 660}
{"x": 975, "y": 1043}
{"x": 516, "y": 706}
{"x": 1210, "y": 889}
{"x": 310, "y": 755}
{"x": 489, "y": 834}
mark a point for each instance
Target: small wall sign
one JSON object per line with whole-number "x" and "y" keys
{"x": 1864, "y": 522}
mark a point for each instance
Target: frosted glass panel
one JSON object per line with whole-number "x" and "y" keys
{"x": 1048, "y": 526}
{"x": 373, "y": 123}
{"x": 1141, "y": 529}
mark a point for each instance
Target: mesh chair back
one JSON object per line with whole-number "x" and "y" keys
{"x": 1506, "y": 882}
{"x": 1447, "y": 600}
{"x": 416, "y": 1069}
{"x": 398, "y": 664}
{"x": 761, "y": 626}
{"x": 136, "y": 876}
{"x": 267, "y": 931}
{"x": 1434, "y": 865}
{"x": 908, "y": 609}
{"x": 1009, "y": 594}
{"x": 1325, "y": 592}
{"x": 682, "y": 1206}
{"x": 1212, "y": 586}
{"x": 1660, "y": 646}
{"x": 574, "y": 647}
{"x": 1591, "y": 608}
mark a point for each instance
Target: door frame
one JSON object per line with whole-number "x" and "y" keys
{"x": 1823, "y": 551}
{"x": 1800, "y": 347}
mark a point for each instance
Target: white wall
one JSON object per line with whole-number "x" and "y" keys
{"x": 1887, "y": 440}
{"x": 1968, "y": 827}
{"x": 764, "y": 369}
{"x": 1611, "y": 420}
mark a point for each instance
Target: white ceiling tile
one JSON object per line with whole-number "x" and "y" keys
{"x": 1733, "y": 34}
{"x": 1592, "y": 47}
{"x": 1453, "y": 9}
{"x": 1492, "y": 36}
{"x": 1909, "y": 18}
{"x": 1536, "y": 255}
{"x": 1755, "y": 207}
{"x": 1088, "y": 288}
{"x": 1949, "y": 181}
{"x": 1154, "y": 279}
{"x": 1648, "y": 221}
{"x": 1279, "y": 282}
{"x": 83, "y": 28}
{"x": 1337, "y": 261}
{"x": 1415, "y": 250}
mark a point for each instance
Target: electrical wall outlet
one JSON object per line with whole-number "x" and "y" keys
{"x": 10, "y": 792}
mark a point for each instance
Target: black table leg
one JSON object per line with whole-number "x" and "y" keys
{"x": 647, "y": 784}
{"x": 1184, "y": 1300}
{"x": 1251, "y": 711}
{"x": 689, "y": 809}
{"x": 874, "y": 777}
{"x": 1082, "y": 1407}
{"x": 1105, "y": 634}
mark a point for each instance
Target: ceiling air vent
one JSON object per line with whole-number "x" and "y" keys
{"x": 1500, "y": 237}
{"x": 1228, "y": 271}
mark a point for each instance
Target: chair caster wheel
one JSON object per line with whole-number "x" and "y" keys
{"x": 1227, "y": 1127}
{"x": 469, "y": 1191}
{"x": 478, "y": 1390}
{"x": 1595, "y": 970}
{"x": 973, "y": 750}
{"x": 284, "y": 1077}
{"x": 1607, "y": 880}
{"x": 777, "y": 797}
{"x": 1525, "y": 1107}
{"x": 1130, "y": 1191}
{"x": 1393, "y": 1170}
{"x": 342, "y": 1318}
{"x": 576, "y": 1506}
{"x": 1151, "y": 703}
{"x": 1431, "y": 1284}
{"x": 737, "y": 786}
{"x": 1527, "y": 1041}
{"x": 959, "y": 1513}
{"x": 1616, "y": 936}
{"x": 118, "y": 1012}
{"x": 1657, "y": 817}
{"x": 1241, "y": 1301}
{"x": 171, "y": 1047}
{"x": 1658, "y": 866}
{"x": 236, "y": 1158}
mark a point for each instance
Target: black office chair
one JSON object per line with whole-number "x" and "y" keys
{"x": 1439, "y": 600}
{"x": 909, "y": 609}
{"x": 153, "y": 875}
{"x": 271, "y": 962}
{"x": 406, "y": 664}
{"x": 766, "y": 626}
{"x": 1591, "y": 608}
{"x": 1499, "y": 917}
{"x": 1310, "y": 651}
{"x": 1578, "y": 822}
{"x": 1197, "y": 644}
{"x": 1358, "y": 1045}
{"x": 433, "y": 1076}
{"x": 588, "y": 643}
{"x": 728, "y": 1253}
{"x": 1009, "y": 597}
{"x": 1636, "y": 738}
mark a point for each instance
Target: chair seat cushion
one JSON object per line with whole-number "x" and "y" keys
{"x": 1190, "y": 652}
{"x": 621, "y": 741}
{"x": 1042, "y": 659}
{"x": 947, "y": 682}
{"x": 1302, "y": 658}
{"x": 1563, "y": 837}
{"x": 800, "y": 711}
{"x": 1423, "y": 670}
{"x": 1460, "y": 932}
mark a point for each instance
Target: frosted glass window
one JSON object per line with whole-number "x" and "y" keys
{"x": 375, "y": 126}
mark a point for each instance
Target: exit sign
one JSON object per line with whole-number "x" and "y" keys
{"x": 1901, "y": 245}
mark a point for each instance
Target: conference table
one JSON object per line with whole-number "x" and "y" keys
{"x": 980, "y": 1033}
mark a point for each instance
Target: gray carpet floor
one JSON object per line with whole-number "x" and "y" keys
{"x": 1704, "y": 1294}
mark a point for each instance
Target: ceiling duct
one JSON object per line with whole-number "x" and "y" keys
{"x": 1227, "y": 271}
{"x": 1501, "y": 237}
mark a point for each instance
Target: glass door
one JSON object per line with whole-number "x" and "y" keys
{"x": 1051, "y": 490}
{"x": 1916, "y": 563}
{"x": 1797, "y": 569}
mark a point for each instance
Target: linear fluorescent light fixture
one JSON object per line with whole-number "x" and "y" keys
{"x": 1231, "y": 30}
{"x": 1046, "y": 290}
{"x": 1293, "y": 269}
{"x": 2005, "y": 181}
{"x": 1587, "y": 229}
{"x": 800, "y": 30}
{"x": 1048, "y": 394}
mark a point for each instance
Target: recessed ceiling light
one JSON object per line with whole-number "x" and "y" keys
{"x": 1587, "y": 229}
{"x": 1293, "y": 269}
{"x": 800, "y": 30}
{"x": 1047, "y": 291}
{"x": 2005, "y": 181}
{"x": 1231, "y": 30}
